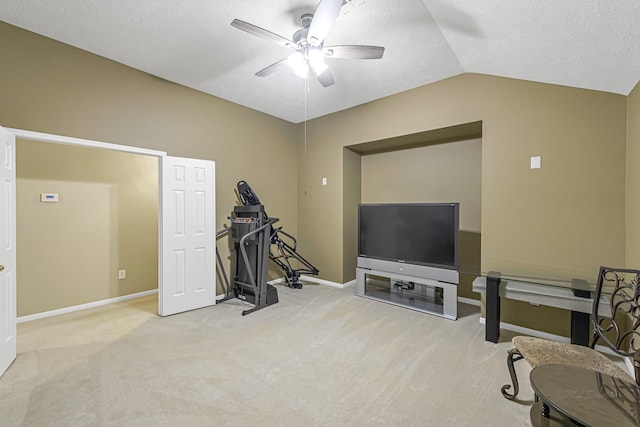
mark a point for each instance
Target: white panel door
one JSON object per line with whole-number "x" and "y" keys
{"x": 188, "y": 243}
{"x": 7, "y": 249}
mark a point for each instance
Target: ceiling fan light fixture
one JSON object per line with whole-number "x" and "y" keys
{"x": 317, "y": 62}
{"x": 298, "y": 64}
{"x": 308, "y": 44}
{"x": 319, "y": 67}
{"x": 302, "y": 71}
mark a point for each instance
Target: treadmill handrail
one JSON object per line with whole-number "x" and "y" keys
{"x": 222, "y": 232}
{"x": 219, "y": 234}
{"x": 243, "y": 251}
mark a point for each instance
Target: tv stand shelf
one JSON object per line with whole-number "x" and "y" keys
{"x": 416, "y": 293}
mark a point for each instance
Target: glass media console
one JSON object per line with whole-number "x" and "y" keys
{"x": 424, "y": 290}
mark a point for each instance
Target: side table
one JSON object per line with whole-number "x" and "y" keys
{"x": 570, "y": 394}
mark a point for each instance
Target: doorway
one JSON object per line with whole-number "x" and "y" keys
{"x": 91, "y": 216}
{"x": 186, "y": 231}
{"x": 186, "y": 223}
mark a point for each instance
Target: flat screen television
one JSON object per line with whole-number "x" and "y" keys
{"x": 415, "y": 233}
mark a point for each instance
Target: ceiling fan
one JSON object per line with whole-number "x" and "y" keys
{"x": 308, "y": 44}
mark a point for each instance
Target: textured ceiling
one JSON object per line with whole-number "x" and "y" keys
{"x": 593, "y": 44}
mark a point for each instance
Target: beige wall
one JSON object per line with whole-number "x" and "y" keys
{"x": 50, "y": 87}
{"x": 449, "y": 172}
{"x": 633, "y": 180}
{"x": 351, "y": 197}
{"x": 47, "y": 86}
{"x": 69, "y": 252}
{"x": 549, "y": 222}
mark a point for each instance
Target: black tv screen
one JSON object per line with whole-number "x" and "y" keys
{"x": 417, "y": 233}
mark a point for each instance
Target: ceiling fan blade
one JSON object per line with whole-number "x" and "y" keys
{"x": 262, "y": 33}
{"x": 271, "y": 68}
{"x": 353, "y": 52}
{"x": 325, "y": 78}
{"x": 323, "y": 19}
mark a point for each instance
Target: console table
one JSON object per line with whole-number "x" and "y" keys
{"x": 574, "y": 296}
{"x": 570, "y": 395}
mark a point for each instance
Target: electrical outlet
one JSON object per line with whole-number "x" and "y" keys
{"x": 122, "y": 274}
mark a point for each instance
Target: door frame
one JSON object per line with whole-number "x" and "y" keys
{"x": 87, "y": 143}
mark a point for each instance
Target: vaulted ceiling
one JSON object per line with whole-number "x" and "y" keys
{"x": 592, "y": 44}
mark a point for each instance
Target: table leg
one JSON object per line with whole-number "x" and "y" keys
{"x": 492, "y": 314}
{"x": 580, "y": 328}
{"x": 580, "y": 321}
{"x": 544, "y": 410}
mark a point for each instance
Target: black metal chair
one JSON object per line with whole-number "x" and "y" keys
{"x": 618, "y": 329}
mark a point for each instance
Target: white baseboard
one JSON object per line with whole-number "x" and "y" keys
{"x": 327, "y": 282}
{"x": 71, "y": 309}
{"x": 528, "y": 331}
{"x": 629, "y": 364}
{"x": 349, "y": 283}
{"x": 469, "y": 301}
{"x": 311, "y": 279}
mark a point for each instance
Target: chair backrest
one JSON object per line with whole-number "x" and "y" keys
{"x": 619, "y": 328}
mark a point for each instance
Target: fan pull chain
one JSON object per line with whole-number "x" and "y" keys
{"x": 306, "y": 90}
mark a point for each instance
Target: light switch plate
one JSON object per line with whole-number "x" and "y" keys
{"x": 535, "y": 162}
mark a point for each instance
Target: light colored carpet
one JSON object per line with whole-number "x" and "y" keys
{"x": 321, "y": 357}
